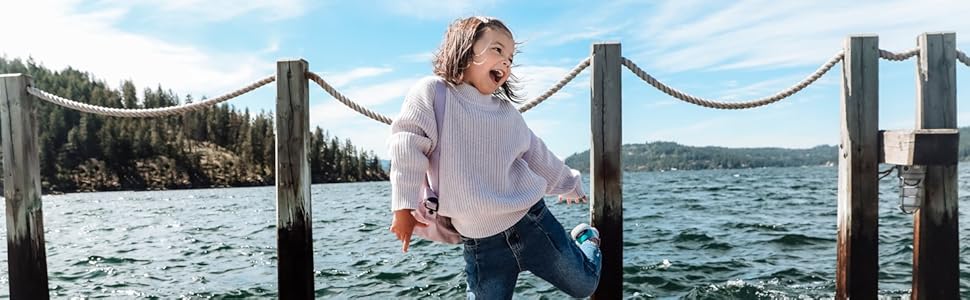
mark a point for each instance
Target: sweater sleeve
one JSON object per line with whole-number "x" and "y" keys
{"x": 561, "y": 180}
{"x": 413, "y": 136}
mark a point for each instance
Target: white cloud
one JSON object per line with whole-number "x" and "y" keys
{"x": 202, "y": 11}
{"x": 536, "y": 80}
{"x": 760, "y": 89}
{"x": 771, "y": 34}
{"x": 93, "y": 42}
{"x": 660, "y": 104}
{"x": 344, "y": 122}
{"x": 341, "y": 79}
{"x": 586, "y": 33}
{"x": 423, "y": 57}
{"x": 440, "y": 10}
{"x": 271, "y": 48}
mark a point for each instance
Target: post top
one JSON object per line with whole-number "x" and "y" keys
{"x": 283, "y": 60}
{"x": 939, "y": 33}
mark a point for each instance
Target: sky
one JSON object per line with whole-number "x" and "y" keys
{"x": 373, "y": 51}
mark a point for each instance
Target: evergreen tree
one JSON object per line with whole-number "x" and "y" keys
{"x": 205, "y": 145}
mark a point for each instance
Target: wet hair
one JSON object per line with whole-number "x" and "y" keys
{"x": 455, "y": 53}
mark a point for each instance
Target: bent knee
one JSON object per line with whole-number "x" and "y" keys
{"x": 582, "y": 290}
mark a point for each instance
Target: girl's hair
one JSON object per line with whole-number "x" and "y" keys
{"x": 455, "y": 53}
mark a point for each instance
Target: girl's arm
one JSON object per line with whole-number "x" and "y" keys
{"x": 413, "y": 134}
{"x": 561, "y": 179}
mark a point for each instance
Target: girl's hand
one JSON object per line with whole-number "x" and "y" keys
{"x": 402, "y": 225}
{"x": 572, "y": 200}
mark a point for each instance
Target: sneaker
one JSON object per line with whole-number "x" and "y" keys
{"x": 583, "y": 232}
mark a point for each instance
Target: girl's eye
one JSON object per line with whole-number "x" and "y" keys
{"x": 498, "y": 49}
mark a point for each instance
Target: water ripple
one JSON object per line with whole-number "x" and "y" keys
{"x": 710, "y": 234}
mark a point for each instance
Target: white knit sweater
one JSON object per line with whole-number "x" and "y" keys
{"x": 492, "y": 168}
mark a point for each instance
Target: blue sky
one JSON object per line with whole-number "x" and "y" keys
{"x": 374, "y": 50}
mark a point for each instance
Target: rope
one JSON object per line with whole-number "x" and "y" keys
{"x": 562, "y": 82}
{"x": 384, "y": 119}
{"x": 343, "y": 99}
{"x": 733, "y": 105}
{"x": 146, "y": 112}
{"x": 962, "y": 57}
{"x": 901, "y": 56}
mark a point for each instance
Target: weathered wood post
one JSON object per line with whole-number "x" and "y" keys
{"x": 936, "y": 256}
{"x": 293, "y": 222}
{"x": 857, "y": 271}
{"x": 606, "y": 172}
{"x": 26, "y": 254}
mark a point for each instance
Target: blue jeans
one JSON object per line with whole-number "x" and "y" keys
{"x": 538, "y": 244}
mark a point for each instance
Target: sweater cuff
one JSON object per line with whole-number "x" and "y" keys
{"x": 406, "y": 192}
{"x": 577, "y": 191}
{"x": 405, "y": 200}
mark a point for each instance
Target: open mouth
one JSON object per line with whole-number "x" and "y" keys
{"x": 496, "y": 75}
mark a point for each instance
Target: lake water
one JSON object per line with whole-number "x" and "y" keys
{"x": 713, "y": 234}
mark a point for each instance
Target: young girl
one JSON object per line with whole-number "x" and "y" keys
{"x": 493, "y": 171}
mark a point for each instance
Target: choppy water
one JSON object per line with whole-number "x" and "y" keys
{"x": 716, "y": 234}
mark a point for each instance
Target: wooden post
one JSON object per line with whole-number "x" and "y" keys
{"x": 26, "y": 255}
{"x": 936, "y": 256}
{"x": 293, "y": 223}
{"x": 606, "y": 171}
{"x": 857, "y": 265}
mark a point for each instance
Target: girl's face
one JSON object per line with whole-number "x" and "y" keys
{"x": 491, "y": 61}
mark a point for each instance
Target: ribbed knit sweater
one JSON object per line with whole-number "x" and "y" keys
{"x": 492, "y": 167}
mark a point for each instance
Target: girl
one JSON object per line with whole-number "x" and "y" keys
{"x": 493, "y": 170}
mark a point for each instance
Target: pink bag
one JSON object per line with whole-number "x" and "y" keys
{"x": 439, "y": 227}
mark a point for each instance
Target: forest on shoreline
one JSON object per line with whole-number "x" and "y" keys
{"x": 219, "y": 146}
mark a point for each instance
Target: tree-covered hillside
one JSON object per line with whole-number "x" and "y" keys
{"x": 219, "y": 146}
{"x": 668, "y": 155}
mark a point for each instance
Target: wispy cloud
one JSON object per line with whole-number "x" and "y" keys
{"x": 583, "y": 23}
{"x": 586, "y": 33}
{"x": 342, "y": 78}
{"x": 423, "y": 57}
{"x": 771, "y": 34}
{"x": 759, "y": 89}
{"x": 333, "y": 113}
{"x": 271, "y": 48}
{"x": 93, "y": 42}
{"x": 214, "y": 10}
{"x": 439, "y": 10}
{"x": 536, "y": 80}
{"x": 660, "y": 104}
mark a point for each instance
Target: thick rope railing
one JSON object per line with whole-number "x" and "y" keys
{"x": 962, "y": 57}
{"x": 901, "y": 56}
{"x": 562, "y": 82}
{"x": 165, "y": 111}
{"x": 733, "y": 105}
{"x": 343, "y": 99}
{"x": 384, "y": 119}
{"x": 145, "y": 112}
